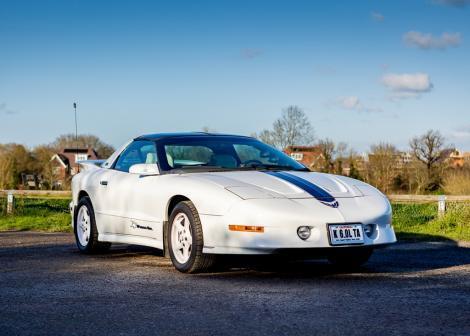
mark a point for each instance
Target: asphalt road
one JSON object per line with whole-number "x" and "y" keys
{"x": 47, "y": 287}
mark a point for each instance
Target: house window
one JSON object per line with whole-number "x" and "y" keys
{"x": 297, "y": 156}
{"x": 81, "y": 157}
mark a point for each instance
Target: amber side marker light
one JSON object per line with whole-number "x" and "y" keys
{"x": 246, "y": 228}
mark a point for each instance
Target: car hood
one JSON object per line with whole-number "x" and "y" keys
{"x": 260, "y": 184}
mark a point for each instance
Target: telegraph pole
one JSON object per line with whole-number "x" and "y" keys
{"x": 76, "y": 136}
{"x": 76, "y": 126}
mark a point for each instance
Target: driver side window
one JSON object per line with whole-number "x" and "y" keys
{"x": 140, "y": 151}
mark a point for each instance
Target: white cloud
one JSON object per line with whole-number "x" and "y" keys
{"x": 407, "y": 85}
{"x": 351, "y": 102}
{"x": 376, "y": 16}
{"x": 355, "y": 104}
{"x": 453, "y": 3}
{"x": 428, "y": 41}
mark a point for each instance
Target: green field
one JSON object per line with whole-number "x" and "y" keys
{"x": 410, "y": 220}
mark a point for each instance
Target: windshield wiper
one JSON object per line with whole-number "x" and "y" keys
{"x": 208, "y": 168}
{"x": 272, "y": 167}
{"x": 198, "y": 168}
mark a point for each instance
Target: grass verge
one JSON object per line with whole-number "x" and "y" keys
{"x": 36, "y": 214}
{"x": 410, "y": 220}
{"x": 420, "y": 221}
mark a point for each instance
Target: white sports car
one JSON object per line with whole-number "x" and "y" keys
{"x": 199, "y": 195}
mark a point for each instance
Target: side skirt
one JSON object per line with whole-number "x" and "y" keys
{"x": 128, "y": 239}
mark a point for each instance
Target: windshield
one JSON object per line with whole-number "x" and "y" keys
{"x": 223, "y": 153}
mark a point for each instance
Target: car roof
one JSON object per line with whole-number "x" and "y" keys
{"x": 158, "y": 136}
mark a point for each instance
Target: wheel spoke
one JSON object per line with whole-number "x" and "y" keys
{"x": 186, "y": 250}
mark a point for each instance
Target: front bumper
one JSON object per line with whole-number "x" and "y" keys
{"x": 281, "y": 219}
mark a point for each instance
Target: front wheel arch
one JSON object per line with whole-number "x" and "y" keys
{"x": 172, "y": 203}
{"x": 198, "y": 261}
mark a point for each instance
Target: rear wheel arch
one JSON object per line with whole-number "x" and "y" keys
{"x": 81, "y": 194}
{"x": 88, "y": 224}
{"x": 178, "y": 239}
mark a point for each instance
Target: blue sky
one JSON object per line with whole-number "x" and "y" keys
{"x": 363, "y": 71}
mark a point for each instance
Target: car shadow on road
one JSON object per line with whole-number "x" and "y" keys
{"x": 400, "y": 258}
{"x": 403, "y": 257}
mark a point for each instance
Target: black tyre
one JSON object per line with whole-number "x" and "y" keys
{"x": 185, "y": 240}
{"x": 86, "y": 234}
{"x": 350, "y": 257}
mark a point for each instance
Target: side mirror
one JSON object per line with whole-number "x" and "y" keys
{"x": 145, "y": 169}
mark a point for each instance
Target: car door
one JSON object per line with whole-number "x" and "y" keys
{"x": 122, "y": 192}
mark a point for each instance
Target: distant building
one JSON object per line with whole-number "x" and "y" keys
{"x": 307, "y": 155}
{"x": 456, "y": 158}
{"x": 65, "y": 163}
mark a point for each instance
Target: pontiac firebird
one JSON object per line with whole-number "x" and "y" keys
{"x": 200, "y": 195}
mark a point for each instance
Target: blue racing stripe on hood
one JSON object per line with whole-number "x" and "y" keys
{"x": 319, "y": 193}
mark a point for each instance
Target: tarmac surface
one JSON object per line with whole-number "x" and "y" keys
{"x": 48, "y": 288}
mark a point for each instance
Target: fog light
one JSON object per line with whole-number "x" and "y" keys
{"x": 369, "y": 229}
{"x": 304, "y": 232}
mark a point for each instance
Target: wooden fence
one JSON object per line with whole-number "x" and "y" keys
{"x": 428, "y": 198}
{"x": 440, "y": 199}
{"x": 37, "y": 193}
{"x": 393, "y": 198}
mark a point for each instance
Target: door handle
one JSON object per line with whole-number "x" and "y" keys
{"x": 105, "y": 183}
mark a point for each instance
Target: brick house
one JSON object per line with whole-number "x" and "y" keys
{"x": 456, "y": 158}
{"x": 310, "y": 156}
{"x": 65, "y": 163}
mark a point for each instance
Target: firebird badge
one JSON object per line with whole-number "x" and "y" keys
{"x": 134, "y": 225}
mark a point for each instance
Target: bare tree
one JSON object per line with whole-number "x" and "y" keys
{"x": 430, "y": 149}
{"x": 292, "y": 128}
{"x": 381, "y": 166}
{"x": 43, "y": 165}
{"x": 342, "y": 150}
{"x": 15, "y": 159}
{"x": 6, "y": 168}
{"x": 341, "y": 157}
{"x": 266, "y": 137}
{"x": 328, "y": 151}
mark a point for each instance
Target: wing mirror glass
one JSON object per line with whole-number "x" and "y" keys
{"x": 145, "y": 169}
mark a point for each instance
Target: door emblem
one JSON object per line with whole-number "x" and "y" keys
{"x": 134, "y": 225}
